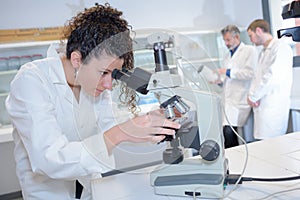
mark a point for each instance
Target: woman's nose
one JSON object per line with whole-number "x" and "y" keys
{"x": 107, "y": 82}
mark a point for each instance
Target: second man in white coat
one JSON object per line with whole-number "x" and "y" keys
{"x": 270, "y": 91}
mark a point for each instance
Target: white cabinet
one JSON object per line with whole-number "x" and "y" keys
{"x": 16, "y": 54}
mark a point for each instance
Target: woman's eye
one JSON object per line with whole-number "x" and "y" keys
{"x": 102, "y": 73}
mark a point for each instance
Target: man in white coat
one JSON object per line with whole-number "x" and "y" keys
{"x": 239, "y": 65}
{"x": 269, "y": 93}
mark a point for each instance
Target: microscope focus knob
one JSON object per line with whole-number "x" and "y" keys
{"x": 209, "y": 150}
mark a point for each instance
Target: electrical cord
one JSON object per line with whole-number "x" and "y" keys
{"x": 235, "y": 178}
{"x": 238, "y": 178}
{"x": 271, "y": 179}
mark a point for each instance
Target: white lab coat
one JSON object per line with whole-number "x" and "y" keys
{"x": 57, "y": 140}
{"x": 242, "y": 65}
{"x": 272, "y": 87}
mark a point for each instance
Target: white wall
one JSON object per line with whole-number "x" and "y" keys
{"x": 200, "y": 14}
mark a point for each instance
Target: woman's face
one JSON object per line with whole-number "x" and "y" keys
{"x": 95, "y": 77}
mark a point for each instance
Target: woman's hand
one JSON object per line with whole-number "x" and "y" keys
{"x": 152, "y": 127}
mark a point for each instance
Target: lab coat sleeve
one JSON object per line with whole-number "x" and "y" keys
{"x": 272, "y": 72}
{"x": 50, "y": 152}
{"x": 246, "y": 70}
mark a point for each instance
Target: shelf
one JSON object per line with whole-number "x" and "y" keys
{"x": 30, "y": 34}
{"x": 27, "y": 44}
{"x": 8, "y": 72}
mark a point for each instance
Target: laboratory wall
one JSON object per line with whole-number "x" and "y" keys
{"x": 200, "y": 14}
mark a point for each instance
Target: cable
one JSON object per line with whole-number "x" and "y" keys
{"x": 233, "y": 178}
{"x": 237, "y": 178}
{"x": 271, "y": 179}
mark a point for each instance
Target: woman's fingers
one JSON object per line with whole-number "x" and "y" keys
{"x": 157, "y": 118}
{"x": 157, "y": 139}
{"x": 171, "y": 124}
{"x": 150, "y": 127}
{"x": 162, "y": 131}
{"x": 158, "y": 112}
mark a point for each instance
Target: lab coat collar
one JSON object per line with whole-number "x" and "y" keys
{"x": 57, "y": 73}
{"x": 271, "y": 44}
{"x": 239, "y": 47}
{"x": 232, "y": 51}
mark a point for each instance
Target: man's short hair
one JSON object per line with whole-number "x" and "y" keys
{"x": 234, "y": 30}
{"x": 260, "y": 23}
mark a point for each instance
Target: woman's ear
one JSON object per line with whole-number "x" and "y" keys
{"x": 75, "y": 59}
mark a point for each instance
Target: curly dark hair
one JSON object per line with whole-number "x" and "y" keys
{"x": 102, "y": 28}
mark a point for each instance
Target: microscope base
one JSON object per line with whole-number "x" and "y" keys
{"x": 205, "y": 180}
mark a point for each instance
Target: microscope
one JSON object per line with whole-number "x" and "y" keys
{"x": 291, "y": 10}
{"x": 200, "y": 115}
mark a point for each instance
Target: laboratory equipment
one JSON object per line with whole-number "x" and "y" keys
{"x": 291, "y": 10}
{"x": 200, "y": 117}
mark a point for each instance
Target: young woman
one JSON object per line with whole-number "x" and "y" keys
{"x": 63, "y": 123}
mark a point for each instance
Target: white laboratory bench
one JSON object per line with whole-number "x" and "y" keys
{"x": 271, "y": 158}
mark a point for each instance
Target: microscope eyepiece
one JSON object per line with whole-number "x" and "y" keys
{"x": 117, "y": 74}
{"x": 137, "y": 80}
